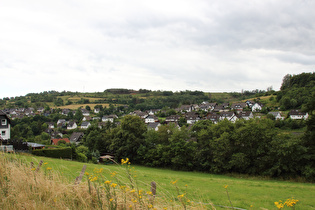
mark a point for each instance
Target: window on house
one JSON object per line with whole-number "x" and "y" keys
{"x": 3, "y": 133}
{"x": 3, "y": 122}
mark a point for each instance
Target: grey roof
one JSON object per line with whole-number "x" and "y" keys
{"x": 76, "y": 136}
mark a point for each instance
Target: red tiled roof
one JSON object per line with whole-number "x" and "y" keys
{"x": 55, "y": 141}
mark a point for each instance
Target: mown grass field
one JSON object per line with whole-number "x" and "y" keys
{"x": 201, "y": 187}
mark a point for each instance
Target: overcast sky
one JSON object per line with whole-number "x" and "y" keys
{"x": 210, "y": 45}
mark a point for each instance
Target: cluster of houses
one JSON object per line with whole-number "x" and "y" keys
{"x": 214, "y": 112}
{"x": 190, "y": 113}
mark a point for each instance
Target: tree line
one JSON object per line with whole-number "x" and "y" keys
{"x": 254, "y": 147}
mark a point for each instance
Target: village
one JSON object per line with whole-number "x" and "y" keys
{"x": 185, "y": 115}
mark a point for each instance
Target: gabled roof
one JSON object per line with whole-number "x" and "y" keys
{"x": 71, "y": 124}
{"x": 238, "y": 105}
{"x": 296, "y": 112}
{"x": 153, "y": 125}
{"x": 226, "y": 114}
{"x": 76, "y": 136}
{"x": 244, "y": 114}
{"x": 5, "y": 115}
{"x": 274, "y": 113}
{"x": 85, "y": 123}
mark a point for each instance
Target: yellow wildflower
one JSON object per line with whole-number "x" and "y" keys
{"x": 174, "y": 182}
{"x": 279, "y": 205}
{"x": 33, "y": 169}
{"x": 45, "y": 163}
{"x": 107, "y": 182}
{"x": 124, "y": 161}
{"x": 111, "y": 199}
{"x": 226, "y": 186}
{"x": 113, "y": 185}
{"x": 181, "y": 196}
{"x": 48, "y": 168}
{"x": 86, "y": 173}
{"x": 93, "y": 179}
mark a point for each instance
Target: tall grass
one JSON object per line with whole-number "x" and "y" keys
{"x": 26, "y": 186}
{"x": 119, "y": 186}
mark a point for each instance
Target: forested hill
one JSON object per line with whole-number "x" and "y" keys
{"x": 296, "y": 91}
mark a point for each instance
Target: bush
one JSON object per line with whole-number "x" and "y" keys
{"x": 54, "y": 153}
{"x": 81, "y": 157}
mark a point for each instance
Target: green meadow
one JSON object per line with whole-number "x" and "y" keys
{"x": 245, "y": 193}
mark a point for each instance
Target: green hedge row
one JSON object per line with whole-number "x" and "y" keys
{"x": 54, "y": 153}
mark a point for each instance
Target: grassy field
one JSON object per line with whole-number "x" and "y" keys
{"x": 201, "y": 187}
{"x": 76, "y": 106}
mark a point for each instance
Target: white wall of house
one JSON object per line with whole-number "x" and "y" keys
{"x": 299, "y": 117}
{"x": 5, "y": 133}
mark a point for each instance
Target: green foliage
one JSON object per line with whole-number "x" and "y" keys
{"x": 126, "y": 139}
{"x": 81, "y": 157}
{"x": 296, "y": 90}
{"x": 65, "y": 153}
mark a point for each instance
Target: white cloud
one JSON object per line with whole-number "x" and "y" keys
{"x": 167, "y": 45}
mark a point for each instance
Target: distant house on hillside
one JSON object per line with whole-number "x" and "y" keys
{"x": 298, "y": 115}
{"x": 76, "y": 137}
{"x": 153, "y": 126}
{"x": 110, "y": 118}
{"x": 246, "y": 115}
{"x": 213, "y": 117}
{"x": 238, "y": 107}
{"x": 277, "y": 115}
{"x": 230, "y": 116}
{"x": 257, "y": 107}
{"x": 85, "y": 125}
{"x": 72, "y": 125}
{"x": 172, "y": 118}
{"x": 151, "y": 119}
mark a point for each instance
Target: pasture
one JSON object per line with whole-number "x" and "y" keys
{"x": 245, "y": 193}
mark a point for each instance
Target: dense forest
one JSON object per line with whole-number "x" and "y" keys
{"x": 260, "y": 146}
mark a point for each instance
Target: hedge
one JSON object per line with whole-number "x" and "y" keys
{"x": 54, "y": 153}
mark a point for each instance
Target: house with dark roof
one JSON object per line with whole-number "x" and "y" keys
{"x": 238, "y": 107}
{"x": 76, "y": 137}
{"x": 85, "y": 112}
{"x": 172, "y": 118}
{"x": 191, "y": 119}
{"x": 151, "y": 119}
{"x": 246, "y": 115}
{"x": 213, "y": 117}
{"x": 65, "y": 111}
{"x": 153, "y": 125}
{"x": 5, "y": 126}
{"x": 298, "y": 115}
{"x": 87, "y": 118}
{"x": 85, "y": 125}
{"x": 230, "y": 116}
{"x": 110, "y": 118}
{"x": 277, "y": 115}
{"x": 72, "y": 125}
